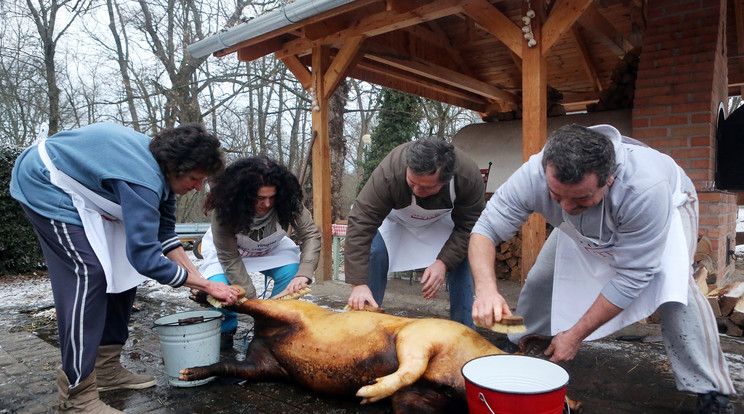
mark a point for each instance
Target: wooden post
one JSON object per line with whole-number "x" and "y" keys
{"x": 321, "y": 161}
{"x": 534, "y": 127}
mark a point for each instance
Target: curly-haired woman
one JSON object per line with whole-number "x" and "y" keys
{"x": 254, "y": 202}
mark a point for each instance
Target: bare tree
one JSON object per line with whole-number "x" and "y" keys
{"x": 44, "y": 15}
{"x": 122, "y": 58}
{"x": 22, "y": 96}
{"x": 169, "y": 29}
{"x": 337, "y": 143}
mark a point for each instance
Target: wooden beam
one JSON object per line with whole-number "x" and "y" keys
{"x": 534, "y": 130}
{"x": 299, "y": 70}
{"x": 377, "y": 24}
{"x": 439, "y": 74}
{"x": 604, "y": 31}
{"x": 248, "y": 54}
{"x": 322, "y": 163}
{"x": 409, "y": 83}
{"x": 341, "y": 63}
{"x": 562, "y": 16}
{"x": 497, "y": 23}
{"x": 586, "y": 60}
{"x": 435, "y": 35}
{"x": 292, "y": 30}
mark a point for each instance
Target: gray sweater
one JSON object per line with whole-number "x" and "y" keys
{"x": 639, "y": 202}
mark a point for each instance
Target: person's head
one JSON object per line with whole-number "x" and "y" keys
{"x": 251, "y": 187}
{"x": 579, "y": 164}
{"x": 430, "y": 165}
{"x": 187, "y": 155}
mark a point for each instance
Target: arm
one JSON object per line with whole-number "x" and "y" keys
{"x": 565, "y": 345}
{"x": 489, "y": 306}
{"x": 218, "y": 290}
{"x": 142, "y": 220}
{"x": 377, "y": 198}
{"x": 309, "y": 237}
{"x": 226, "y": 246}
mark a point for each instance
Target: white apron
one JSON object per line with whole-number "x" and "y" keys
{"x": 268, "y": 253}
{"x": 103, "y": 225}
{"x": 583, "y": 267}
{"x": 414, "y": 236}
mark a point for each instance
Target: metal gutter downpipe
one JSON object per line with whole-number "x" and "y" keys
{"x": 286, "y": 15}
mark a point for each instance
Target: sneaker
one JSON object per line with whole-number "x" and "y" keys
{"x": 226, "y": 339}
{"x": 714, "y": 403}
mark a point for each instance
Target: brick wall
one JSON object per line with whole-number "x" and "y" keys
{"x": 681, "y": 85}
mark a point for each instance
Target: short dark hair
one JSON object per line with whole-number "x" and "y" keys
{"x": 431, "y": 155}
{"x": 233, "y": 194}
{"x": 575, "y": 151}
{"x": 187, "y": 148}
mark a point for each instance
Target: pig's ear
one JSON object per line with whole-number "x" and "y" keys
{"x": 200, "y": 297}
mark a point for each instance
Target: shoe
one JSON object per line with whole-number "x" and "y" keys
{"x": 112, "y": 376}
{"x": 83, "y": 398}
{"x": 713, "y": 403}
{"x": 226, "y": 339}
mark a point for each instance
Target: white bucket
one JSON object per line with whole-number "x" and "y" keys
{"x": 189, "y": 339}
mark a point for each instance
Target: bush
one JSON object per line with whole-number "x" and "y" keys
{"x": 19, "y": 249}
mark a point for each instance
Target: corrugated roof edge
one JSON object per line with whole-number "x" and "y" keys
{"x": 288, "y": 14}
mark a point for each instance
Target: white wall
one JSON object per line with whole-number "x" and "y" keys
{"x": 501, "y": 142}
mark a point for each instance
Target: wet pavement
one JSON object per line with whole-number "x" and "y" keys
{"x": 607, "y": 376}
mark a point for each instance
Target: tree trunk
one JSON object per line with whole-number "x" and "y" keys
{"x": 337, "y": 143}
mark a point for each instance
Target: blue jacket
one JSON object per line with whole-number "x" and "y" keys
{"x": 114, "y": 162}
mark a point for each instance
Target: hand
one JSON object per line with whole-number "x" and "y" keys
{"x": 295, "y": 285}
{"x": 488, "y": 308}
{"x": 564, "y": 346}
{"x": 222, "y": 292}
{"x": 433, "y": 279}
{"x": 360, "y": 294}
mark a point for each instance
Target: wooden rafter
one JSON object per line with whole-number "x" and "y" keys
{"x": 376, "y": 24}
{"x": 593, "y": 21}
{"x": 495, "y": 22}
{"x": 408, "y": 82}
{"x": 440, "y": 74}
{"x": 563, "y": 15}
{"x": 586, "y": 59}
{"x": 341, "y": 63}
{"x": 299, "y": 70}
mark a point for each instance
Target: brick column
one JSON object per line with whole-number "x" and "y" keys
{"x": 682, "y": 78}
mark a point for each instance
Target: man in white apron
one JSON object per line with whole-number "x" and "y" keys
{"x": 416, "y": 211}
{"x": 626, "y": 220}
{"x": 102, "y": 201}
{"x": 254, "y": 202}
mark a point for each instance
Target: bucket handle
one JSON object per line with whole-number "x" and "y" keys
{"x": 189, "y": 321}
{"x": 483, "y": 398}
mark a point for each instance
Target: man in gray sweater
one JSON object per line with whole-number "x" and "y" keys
{"x": 626, "y": 221}
{"x": 416, "y": 211}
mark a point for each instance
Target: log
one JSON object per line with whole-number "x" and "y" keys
{"x": 713, "y": 300}
{"x": 729, "y": 296}
{"x": 737, "y": 316}
{"x": 701, "y": 279}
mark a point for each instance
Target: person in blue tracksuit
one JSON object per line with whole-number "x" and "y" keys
{"x": 102, "y": 200}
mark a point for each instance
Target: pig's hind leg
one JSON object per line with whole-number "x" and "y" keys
{"x": 413, "y": 359}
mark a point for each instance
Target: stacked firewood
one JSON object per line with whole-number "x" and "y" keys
{"x": 727, "y": 302}
{"x": 509, "y": 258}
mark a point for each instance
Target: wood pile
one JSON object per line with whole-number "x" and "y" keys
{"x": 727, "y": 302}
{"x": 509, "y": 258}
